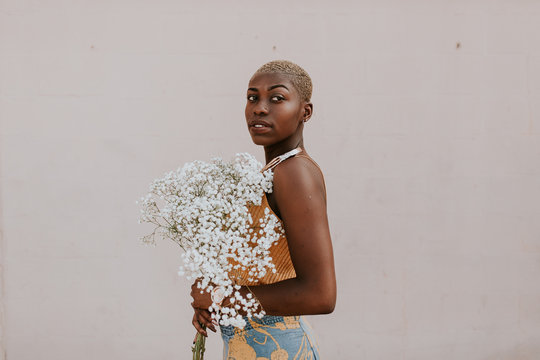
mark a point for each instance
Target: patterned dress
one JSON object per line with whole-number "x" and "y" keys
{"x": 271, "y": 337}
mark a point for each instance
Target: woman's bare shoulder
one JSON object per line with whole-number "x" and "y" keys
{"x": 300, "y": 175}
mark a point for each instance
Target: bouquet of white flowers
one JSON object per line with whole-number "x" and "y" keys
{"x": 204, "y": 208}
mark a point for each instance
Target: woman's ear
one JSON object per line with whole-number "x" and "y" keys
{"x": 308, "y": 111}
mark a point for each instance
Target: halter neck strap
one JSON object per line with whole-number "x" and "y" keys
{"x": 275, "y": 161}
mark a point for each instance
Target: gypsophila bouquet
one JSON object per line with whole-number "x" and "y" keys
{"x": 204, "y": 208}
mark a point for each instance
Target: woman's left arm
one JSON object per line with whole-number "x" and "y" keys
{"x": 301, "y": 200}
{"x": 300, "y": 197}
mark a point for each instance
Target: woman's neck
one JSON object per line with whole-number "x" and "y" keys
{"x": 272, "y": 151}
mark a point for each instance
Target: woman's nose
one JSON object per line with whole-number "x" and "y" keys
{"x": 260, "y": 108}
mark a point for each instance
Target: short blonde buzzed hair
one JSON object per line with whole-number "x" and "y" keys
{"x": 298, "y": 76}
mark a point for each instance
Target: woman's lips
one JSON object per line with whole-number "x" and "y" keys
{"x": 259, "y": 128}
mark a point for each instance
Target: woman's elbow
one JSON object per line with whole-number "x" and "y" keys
{"x": 327, "y": 306}
{"x": 326, "y": 301}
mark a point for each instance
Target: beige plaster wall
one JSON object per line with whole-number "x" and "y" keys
{"x": 427, "y": 125}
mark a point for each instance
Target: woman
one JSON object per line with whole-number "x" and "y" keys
{"x": 278, "y": 106}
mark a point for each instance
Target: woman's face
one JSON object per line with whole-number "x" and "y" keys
{"x": 274, "y": 109}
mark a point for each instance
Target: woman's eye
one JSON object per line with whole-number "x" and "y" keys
{"x": 251, "y": 97}
{"x": 277, "y": 98}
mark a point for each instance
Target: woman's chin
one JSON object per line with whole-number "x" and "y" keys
{"x": 259, "y": 140}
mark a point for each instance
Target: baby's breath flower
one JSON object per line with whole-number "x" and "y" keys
{"x": 204, "y": 208}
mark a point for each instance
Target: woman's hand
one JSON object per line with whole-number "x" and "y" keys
{"x": 201, "y": 303}
{"x": 202, "y": 317}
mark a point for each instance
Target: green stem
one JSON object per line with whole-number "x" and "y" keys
{"x": 198, "y": 348}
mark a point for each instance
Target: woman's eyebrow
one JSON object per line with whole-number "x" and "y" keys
{"x": 276, "y": 86}
{"x": 270, "y": 88}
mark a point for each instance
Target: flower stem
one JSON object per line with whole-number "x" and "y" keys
{"x": 198, "y": 348}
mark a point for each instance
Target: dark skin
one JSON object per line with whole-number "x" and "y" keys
{"x": 275, "y": 115}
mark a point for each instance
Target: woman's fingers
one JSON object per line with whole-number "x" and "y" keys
{"x": 207, "y": 319}
{"x": 203, "y": 317}
{"x": 198, "y": 326}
